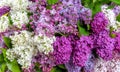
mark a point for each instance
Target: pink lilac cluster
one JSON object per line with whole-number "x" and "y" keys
{"x": 99, "y": 22}
{"x": 116, "y": 10}
{"x": 82, "y": 50}
{"x": 4, "y": 10}
{"x": 105, "y": 45}
{"x": 62, "y": 50}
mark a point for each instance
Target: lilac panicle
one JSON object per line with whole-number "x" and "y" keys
{"x": 62, "y": 50}
{"x": 99, "y": 22}
{"x": 105, "y": 45}
{"x": 117, "y": 42}
{"x": 82, "y": 50}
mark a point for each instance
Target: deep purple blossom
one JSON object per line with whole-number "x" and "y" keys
{"x": 62, "y": 50}
{"x": 82, "y": 50}
{"x": 4, "y": 10}
{"x": 99, "y": 22}
{"x": 105, "y": 45}
{"x": 117, "y": 42}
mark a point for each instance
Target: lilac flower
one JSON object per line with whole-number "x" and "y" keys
{"x": 62, "y": 50}
{"x": 89, "y": 65}
{"x": 116, "y": 10}
{"x": 99, "y": 22}
{"x": 105, "y": 45}
{"x": 85, "y": 14}
{"x": 4, "y": 10}
{"x": 82, "y": 50}
{"x": 46, "y": 61}
{"x": 117, "y": 42}
{"x": 71, "y": 67}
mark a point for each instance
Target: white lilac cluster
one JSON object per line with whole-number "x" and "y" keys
{"x": 23, "y": 48}
{"x": 19, "y": 18}
{"x": 18, "y": 12}
{"x": 4, "y": 23}
{"x": 110, "y": 15}
{"x": 44, "y": 43}
{"x": 26, "y": 45}
{"x": 107, "y": 66}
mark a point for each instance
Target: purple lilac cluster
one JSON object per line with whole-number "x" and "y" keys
{"x": 62, "y": 50}
{"x": 4, "y": 10}
{"x": 117, "y": 42}
{"x": 99, "y": 22}
{"x": 82, "y": 50}
{"x": 105, "y": 45}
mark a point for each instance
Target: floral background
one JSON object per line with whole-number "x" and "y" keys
{"x": 59, "y": 36}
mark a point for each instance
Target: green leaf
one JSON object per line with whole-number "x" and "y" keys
{"x": 3, "y": 67}
{"x": 118, "y": 18}
{"x": 56, "y": 69}
{"x": 1, "y": 58}
{"x": 13, "y": 66}
{"x": 61, "y": 66}
{"x": 51, "y": 2}
{"x": 4, "y": 54}
{"x": 7, "y": 42}
{"x": 10, "y": 20}
{"x": 82, "y": 30}
{"x": 113, "y": 35}
{"x": 116, "y": 1}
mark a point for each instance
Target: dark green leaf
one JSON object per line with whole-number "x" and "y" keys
{"x": 1, "y": 58}
{"x": 56, "y": 69}
{"x": 61, "y": 66}
{"x": 7, "y": 42}
{"x": 82, "y": 30}
{"x": 13, "y": 66}
{"x": 118, "y": 18}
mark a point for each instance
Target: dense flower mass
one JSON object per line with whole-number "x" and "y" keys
{"x": 82, "y": 51}
{"x": 62, "y": 50}
{"x": 44, "y": 43}
{"x": 4, "y": 23}
{"x": 23, "y": 48}
{"x": 59, "y": 36}
{"x": 117, "y": 42}
{"x": 99, "y": 22}
{"x": 105, "y": 45}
